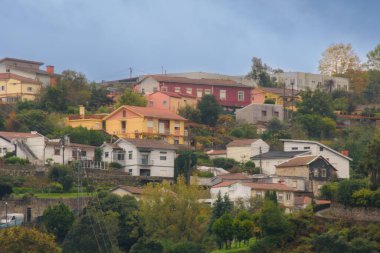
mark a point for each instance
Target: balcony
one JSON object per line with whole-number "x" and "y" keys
{"x": 145, "y": 161}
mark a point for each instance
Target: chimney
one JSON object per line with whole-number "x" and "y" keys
{"x": 82, "y": 111}
{"x": 345, "y": 152}
{"x": 50, "y": 70}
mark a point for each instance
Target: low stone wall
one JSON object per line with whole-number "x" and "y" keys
{"x": 38, "y": 206}
{"x": 22, "y": 170}
{"x": 359, "y": 214}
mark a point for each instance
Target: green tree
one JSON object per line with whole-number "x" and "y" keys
{"x": 74, "y": 87}
{"x": 244, "y": 130}
{"x": 374, "y": 58}
{"x": 2, "y": 122}
{"x": 33, "y": 120}
{"x": 52, "y": 99}
{"x": 184, "y": 164}
{"x": 58, "y": 220}
{"x": 225, "y": 163}
{"x": 362, "y": 245}
{"x": 223, "y": 229}
{"x": 372, "y": 92}
{"x": 329, "y": 243}
{"x": 83, "y": 135}
{"x": 371, "y": 163}
{"x": 93, "y": 231}
{"x": 132, "y": 98}
{"x": 5, "y": 189}
{"x": 146, "y": 245}
{"x": 272, "y": 220}
{"x": 173, "y": 212}
{"x": 21, "y": 239}
{"x": 98, "y": 97}
{"x": 209, "y": 110}
{"x": 259, "y": 73}
{"x": 62, "y": 174}
{"x": 316, "y": 102}
{"x": 345, "y": 190}
{"x": 190, "y": 113}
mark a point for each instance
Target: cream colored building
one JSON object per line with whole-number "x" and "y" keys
{"x": 14, "y": 88}
{"x": 241, "y": 150}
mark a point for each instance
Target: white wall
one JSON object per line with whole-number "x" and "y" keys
{"x": 235, "y": 192}
{"x": 5, "y": 145}
{"x": 244, "y": 153}
{"x": 269, "y": 165}
{"x": 148, "y": 85}
{"x": 340, "y": 163}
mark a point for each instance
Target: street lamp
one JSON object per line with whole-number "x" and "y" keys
{"x": 6, "y": 213}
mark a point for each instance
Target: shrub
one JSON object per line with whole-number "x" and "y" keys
{"x": 63, "y": 175}
{"x": 225, "y": 163}
{"x": 115, "y": 165}
{"x": 146, "y": 246}
{"x": 269, "y": 101}
{"x": 205, "y": 174}
{"x": 328, "y": 191}
{"x": 345, "y": 190}
{"x": 362, "y": 197}
{"x": 187, "y": 247}
{"x": 55, "y": 187}
{"x": 16, "y": 160}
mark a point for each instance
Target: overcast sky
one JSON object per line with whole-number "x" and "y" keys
{"x": 103, "y": 38}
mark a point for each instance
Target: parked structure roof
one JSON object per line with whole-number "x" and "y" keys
{"x": 241, "y": 142}
{"x": 279, "y": 154}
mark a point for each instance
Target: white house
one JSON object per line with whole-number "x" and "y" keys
{"x": 242, "y": 150}
{"x": 40, "y": 150}
{"x": 340, "y": 161}
{"x": 268, "y": 161}
{"x": 244, "y": 191}
{"x": 142, "y": 157}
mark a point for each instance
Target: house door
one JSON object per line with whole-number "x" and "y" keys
{"x": 161, "y": 127}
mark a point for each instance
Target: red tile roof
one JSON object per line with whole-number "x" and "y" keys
{"x": 75, "y": 117}
{"x": 177, "y": 95}
{"x": 241, "y": 142}
{"x": 225, "y": 184}
{"x": 14, "y": 135}
{"x": 298, "y": 161}
{"x": 150, "y": 112}
{"x": 302, "y": 200}
{"x": 131, "y": 189}
{"x": 5, "y": 76}
{"x": 204, "y": 81}
{"x": 269, "y": 186}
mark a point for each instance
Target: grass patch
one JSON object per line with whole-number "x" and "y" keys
{"x": 235, "y": 248}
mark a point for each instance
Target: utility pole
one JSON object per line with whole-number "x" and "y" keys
{"x": 261, "y": 168}
{"x": 162, "y": 69}
{"x": 130, "y": 72}
{"x": 6, "y": 213}
{"x": 292, "y": 83}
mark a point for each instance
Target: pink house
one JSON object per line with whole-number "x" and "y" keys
{"x": 170, "y": 100}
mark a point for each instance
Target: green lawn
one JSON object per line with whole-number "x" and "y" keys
{"x": 235, "y": 248}
{"x": 55, "y": 195}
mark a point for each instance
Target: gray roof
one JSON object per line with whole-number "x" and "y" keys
{"x": 279, "y": 154}
{"x": 150, "y": 144}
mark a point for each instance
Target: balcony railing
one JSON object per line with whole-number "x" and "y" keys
{"x": 145, "y": 161}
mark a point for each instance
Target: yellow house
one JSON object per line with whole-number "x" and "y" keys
{"x": 93, "y": 122}
{"x": 145, "y": 122}
{"x": 15, "y": 88}
{"x": 260, "y": 94}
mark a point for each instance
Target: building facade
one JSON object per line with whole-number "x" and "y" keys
{"x": 241, "y": 150}
{"x": 229, "y": 94}
{"x": 14, "y": 88}
{"x": 171, "y": 101}
{"x": 262, "y": 113}
{"x": 142, "y": 157}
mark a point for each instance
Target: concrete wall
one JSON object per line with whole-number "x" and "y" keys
{"x": 254, "y": 113}
{"x": 269, "y": 165}
{"x": 244, "y": 153}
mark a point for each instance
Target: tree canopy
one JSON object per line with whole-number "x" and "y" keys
{"x": 374, "y": 58}
{"x": 132, "y": 98}
{"x": 209, "y": 110}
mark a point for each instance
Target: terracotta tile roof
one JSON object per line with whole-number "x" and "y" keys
{"x": 14, "y": 135}
{"x": 21, "y": 60}
{"x": 150, "y": 112}
{"x": 202, "y": 81}
{"x": 302, "y": 200}
{"x": 225, "y": 184}
{"x": 94, "y": 116}
{"x": 177, "y": 95}
{"x": 241, "y": 142}
{"x": 217, "y": 152}
{"x": 298, "y": 161}
{"x": 234, "y": 176}
{"x": 5, "y": 76}
{"x": 131, "y": 189}
{"x": 269, "y": 186}
{"x": 150, "y": 144}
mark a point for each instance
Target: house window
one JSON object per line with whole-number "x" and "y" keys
{"x": 324, "y": 173}
{"x": 207, "y": 91}
{"x": 83, "y": 153}
{"x": 124, "y": 114}
{"x": 177, "y": 89}
{"x": 123, "y": 126}
{"x": 57, "y": 151}
{"x": 164, "y": 88}
{"x": 263, "y": 113}
{"x": 240, "y": 95}
{"x": 258, "y": 195}
{"x": 276, "y": 114}
{"x": 280, "y": 197}
{"x": 151, "y": 103}
{"x": 222, "y": 94}
{"x": 176, "y": 126}
{"x": 316, "y": 173}
{"x": 199, "y": 93}
{"x": 320, "y": 148}
{"x": 306, "y": 148}
{"x": 294, "y": 148}
{"x": 149, "y": 123}
{"x": 189, "y": 90}
{"x": 163, "y": 158}
{"x": 106, "y": 154}
{"x": 130, "y": 155}
{"x": 155, "y": 89}
{"x": 120, "y": 156}
{"x": 176, "y": 140}
{"x": 30, "y": 89}
{"x": 2, "y": 87}
{"x": 288, "y": 196}
{"x": 164, "y": 103}
{"x": 130, "y": 171}
{"x": 163, "y": 155}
